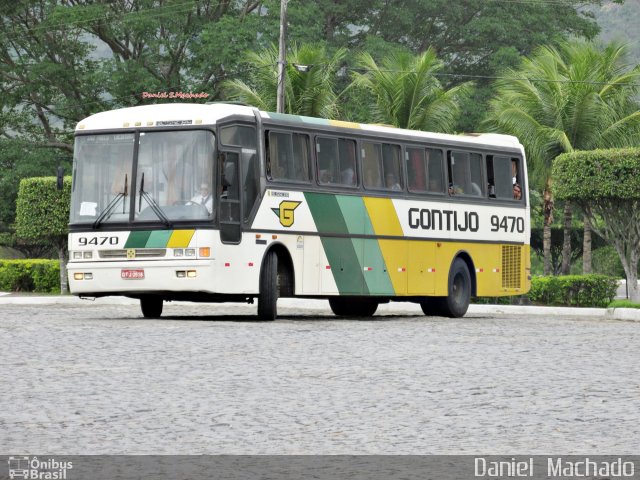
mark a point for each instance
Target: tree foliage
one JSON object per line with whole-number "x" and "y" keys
{"x": 310, "y": 78}
{"x": 605, "y": 184}
{"x": 42, "y": 214}
{"x": 406, "y": 93}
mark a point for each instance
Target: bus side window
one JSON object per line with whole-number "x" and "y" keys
{"x": 371, "y": 164}
{"x": 502, "y": 176}
{"x": 280, "y": 153}
{"x": 301, "y": 158}
{"x": 435, "y": 170}
{"x": 347, "y": 150}
{"x": 392, "y": 168}
{"x": 475, "y": 170}
{"x": 416, "y": 173}
{"x": 327, "y": 154}
{"x": 465, "y": 171}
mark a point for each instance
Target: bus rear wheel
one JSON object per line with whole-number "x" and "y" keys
{"x": 269, "y": 288}
{"x": 456, "y": 303}
{"x": 151, "y": 306}
{"x": 353, "y": 307}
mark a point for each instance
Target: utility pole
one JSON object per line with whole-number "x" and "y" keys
{"x": 282, "y": 56}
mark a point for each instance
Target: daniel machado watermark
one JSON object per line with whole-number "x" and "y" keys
{"x": 38, "y": 468}
{"x": 554, "y": 467}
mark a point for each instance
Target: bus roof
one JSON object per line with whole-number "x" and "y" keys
{"x": 183, "y": 114}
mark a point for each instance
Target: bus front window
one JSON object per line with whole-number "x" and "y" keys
{"x": 175, "y": 176}
{"x": 102, "y": 168}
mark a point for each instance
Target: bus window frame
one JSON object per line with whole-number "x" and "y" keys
{"x": 483, "y": 167}
{"x": 267, "y": 156}
{"x": 133, "y": 186}
{"x": 341, "y": 186}
{"x": 443, "y": 175}
{"x": 403, "y": 174}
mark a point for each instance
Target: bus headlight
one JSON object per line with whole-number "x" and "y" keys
{"x": 190, "y": 252}
{"x": 87, "y": 255}
{"x": 178, "y": 252}
{"x": 77, "y": 255}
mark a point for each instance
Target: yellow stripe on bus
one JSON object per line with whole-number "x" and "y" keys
{"x": 384, "y": 220}
{"x": 341, "y": 123}
{"x": 180, "y": 238}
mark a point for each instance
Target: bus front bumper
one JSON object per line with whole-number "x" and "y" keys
{"x": 96, "y": 278}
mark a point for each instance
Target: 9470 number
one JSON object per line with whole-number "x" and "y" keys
{"x": 84, "y": 241}
{"x": 507, "y": 224}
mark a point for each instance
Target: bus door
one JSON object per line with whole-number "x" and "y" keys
{"x": 229, "y": 195}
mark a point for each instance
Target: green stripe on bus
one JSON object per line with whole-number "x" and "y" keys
{"x": 342, "y": 253}
{"x": 369, "y": 254}
{"x": 326, "y": 213}
{"x": 137, "y": 239}
{"x": 158, "y": 239}
{"x": 355, "y": 215}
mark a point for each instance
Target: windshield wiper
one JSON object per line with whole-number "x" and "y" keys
{"x": 153, "y": 204}
{"x": 106, "y": 213}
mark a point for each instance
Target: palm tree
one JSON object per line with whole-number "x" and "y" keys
{"x": 407, "y": 94}
{"x": 309, "y": 90}
{"x": 573, "y": 97}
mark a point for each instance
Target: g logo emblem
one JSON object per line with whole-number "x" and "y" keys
{"x": 131, "y": 253}
{"x": 285, "y": 212}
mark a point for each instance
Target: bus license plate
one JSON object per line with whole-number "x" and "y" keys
{"x": 132, "y": 274}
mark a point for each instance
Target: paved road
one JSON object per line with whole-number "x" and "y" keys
{"x": 98, "y": 378}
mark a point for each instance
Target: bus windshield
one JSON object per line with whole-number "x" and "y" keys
{"x": 173, "y": 182}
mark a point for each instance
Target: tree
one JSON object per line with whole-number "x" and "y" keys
{"x": 42, "y": 214}
{"x": 405, "y": 92}
{"x": 606, "y": 186}
{"x": 63, "y": 60}
{"x": 575, "y": 97}
{"x": 310, "y": 77}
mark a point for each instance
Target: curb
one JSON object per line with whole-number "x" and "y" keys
{"x": 391, "y": 308}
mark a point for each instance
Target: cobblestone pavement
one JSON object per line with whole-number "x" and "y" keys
{"x": 98, "y": 379}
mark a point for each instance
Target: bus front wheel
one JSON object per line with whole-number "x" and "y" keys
{"x": 456, "y": 303}
{"x": 151, "y": 306}
{"x": 269, "y": 288}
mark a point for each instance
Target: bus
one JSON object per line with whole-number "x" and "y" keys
{"x": 225, "y": 203}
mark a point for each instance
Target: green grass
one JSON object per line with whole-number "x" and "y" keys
{"x": 623, "y": 304}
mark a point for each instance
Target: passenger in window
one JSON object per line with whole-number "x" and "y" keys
{"x": 455, "y": 189}
{"x": 517, "y": 191}
{"x": 392, "y": 183}
{"x": 348, "y": 176}
{"x": 325, "y": 176}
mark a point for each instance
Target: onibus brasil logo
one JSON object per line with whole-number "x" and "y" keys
{"x": 34, "y": 468}
{"x": 285, "y": 212}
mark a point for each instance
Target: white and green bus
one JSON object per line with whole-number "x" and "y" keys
{"x": 226, "y": 203}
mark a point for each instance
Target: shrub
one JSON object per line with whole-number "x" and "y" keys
{"x": 573, "y": 290}
{"x": 624, "y": 304}
{"x": 30, "y": 276}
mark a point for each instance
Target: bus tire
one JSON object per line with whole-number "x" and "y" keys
{"x": 269, "y": 288}
{"x": 151, "y": 306}
{"x": 353, "y": 307}
{"x": 426, "y": 304}
{"x": 456, "y": 303}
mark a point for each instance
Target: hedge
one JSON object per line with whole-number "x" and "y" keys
{"x": 573, "y": 290}
{"x": 30, "y": 276}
